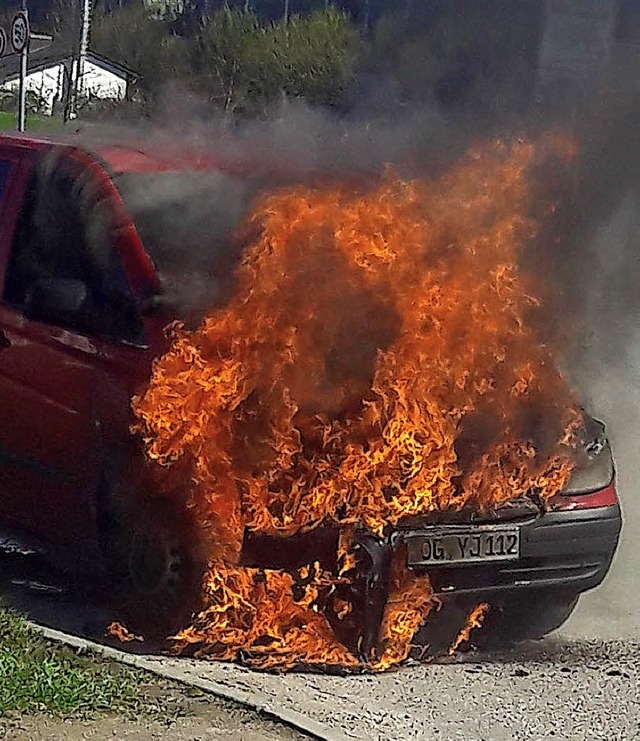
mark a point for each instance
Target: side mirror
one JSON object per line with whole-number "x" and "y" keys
{"x": 55, "y": 299}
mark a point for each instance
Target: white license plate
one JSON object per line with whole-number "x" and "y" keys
{"x": 440, "y": 548}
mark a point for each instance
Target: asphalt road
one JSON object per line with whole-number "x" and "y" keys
{"x": 552, "y": 689}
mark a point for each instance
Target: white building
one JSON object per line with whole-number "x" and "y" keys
{"x": 49, "y": 72}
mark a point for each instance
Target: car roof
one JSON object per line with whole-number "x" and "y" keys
{"x": 162, "y": 154}
{"x": 121, "y": 158}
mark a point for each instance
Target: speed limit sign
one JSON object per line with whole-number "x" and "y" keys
{"x": 3, "y": 41}
{"x": 19, "y": 32}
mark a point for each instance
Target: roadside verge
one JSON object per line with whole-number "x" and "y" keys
{"x": 161, "y": 667}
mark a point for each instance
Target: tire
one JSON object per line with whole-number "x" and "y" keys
{"x": 148, "y": 551}
{"x": 531, "y": 616}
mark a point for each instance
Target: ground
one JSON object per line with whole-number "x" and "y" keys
{"x": 50, "y": 690}
{"x": 194, "y": 717}
{"x": 564, "y": 688}
{"x": 35, "y": 124}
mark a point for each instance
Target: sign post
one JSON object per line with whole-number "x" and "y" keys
{"x": 20, "y": 44}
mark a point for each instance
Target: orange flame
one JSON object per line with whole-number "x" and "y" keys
{"x": 123, "y": 634}
{"x": 377, "y": 361}
{"x": 475, "y": 619}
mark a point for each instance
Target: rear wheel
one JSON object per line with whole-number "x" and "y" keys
{"x": 148, "y": 549}
{"x": 530, "y": 616}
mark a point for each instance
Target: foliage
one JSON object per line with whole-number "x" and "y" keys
{"x": 34, "y": 676}
{"x": 44, "y": 124}
{"x": 143, "y": 42}
{"x": 242, "y": 55}
{"x": 243, "y": 64}
{"x": 36, "y": 104}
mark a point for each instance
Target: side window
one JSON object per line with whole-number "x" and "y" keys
{"x": 5, "y": 168}
{"x": 63, "y": 270}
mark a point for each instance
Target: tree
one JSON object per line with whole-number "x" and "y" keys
{"x": 137, "y": 39}
{"x": 243, "y": 64}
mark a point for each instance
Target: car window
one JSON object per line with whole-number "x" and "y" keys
{"x": 62, "y": 246}
{"x": 5, "y": 169}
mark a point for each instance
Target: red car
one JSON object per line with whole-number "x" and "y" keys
{"x": 79, "y": 328}
{"x": 81, "y": 320}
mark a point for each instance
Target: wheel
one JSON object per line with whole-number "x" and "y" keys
{"x": 531, "y": 616}
{"x": 149, "y": 554}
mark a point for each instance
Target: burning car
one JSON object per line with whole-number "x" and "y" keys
{"x": 358, "y": 429}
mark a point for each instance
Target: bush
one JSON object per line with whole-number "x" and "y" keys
{"x": 244, "y": 65}
{"x": 36, "y": 104}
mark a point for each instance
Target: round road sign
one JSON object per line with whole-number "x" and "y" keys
{"x": 3, "y": 41}
{"x": 19, "y": 32}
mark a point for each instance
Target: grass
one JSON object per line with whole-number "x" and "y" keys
{"x": 38, "y": 676}
{"x": 35, "y": 124}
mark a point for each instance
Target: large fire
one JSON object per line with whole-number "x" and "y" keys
{"x": 377, "y": 361}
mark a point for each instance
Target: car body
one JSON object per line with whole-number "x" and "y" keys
{"x": 79, "y": 329}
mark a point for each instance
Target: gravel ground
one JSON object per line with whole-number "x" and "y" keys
{"x": 550, "y": 689}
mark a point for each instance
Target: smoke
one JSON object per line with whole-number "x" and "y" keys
{"x": 588, "y": 258}
{"x": 607, "y": 370}
{"x": 185, "y": 221}
{"x": 600, "y": 270}
{"x": 188, "y": 220}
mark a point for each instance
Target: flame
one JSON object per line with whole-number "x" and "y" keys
{"x": 475, "y": 619}
{"x": 410, "y": 600}
{"x": 259, "y": 613}
{"x": 123, "y": 634}
{"x": 377, "y": 361}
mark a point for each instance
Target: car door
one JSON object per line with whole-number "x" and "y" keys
{"x": 57, "y": 357}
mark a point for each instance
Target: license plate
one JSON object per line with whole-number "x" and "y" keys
{"x": 440, "y": 548}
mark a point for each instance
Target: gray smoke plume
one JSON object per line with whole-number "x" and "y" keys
{"x": 598, "y": 259}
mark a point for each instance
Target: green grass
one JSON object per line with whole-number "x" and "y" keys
{"x": 38, "y": 676}
{"x": 35, "y": 124}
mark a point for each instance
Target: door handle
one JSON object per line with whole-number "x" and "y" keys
{"x": 4, "y": 341}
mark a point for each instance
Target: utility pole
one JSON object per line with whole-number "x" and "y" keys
{"x": 78, "y": 63}
{"x": 22, "y": 92}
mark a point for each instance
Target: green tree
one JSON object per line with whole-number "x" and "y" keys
{"x": 138, "y": 39}
{"x": 228, "y": 58}
{"x": 315, "y": 55}
{"x": 243, "y": 65}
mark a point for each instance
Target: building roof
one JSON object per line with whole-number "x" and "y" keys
{"x": 46, "y": 55}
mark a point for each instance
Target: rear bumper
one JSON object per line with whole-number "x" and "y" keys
{"x": 562, "y": 553}
{"x": 568, "y": 550}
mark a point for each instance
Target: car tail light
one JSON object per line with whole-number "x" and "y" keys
{"x": 606, "y": 497}
{"x": 594, "y": 469}
{"x": 592, "y": 483}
